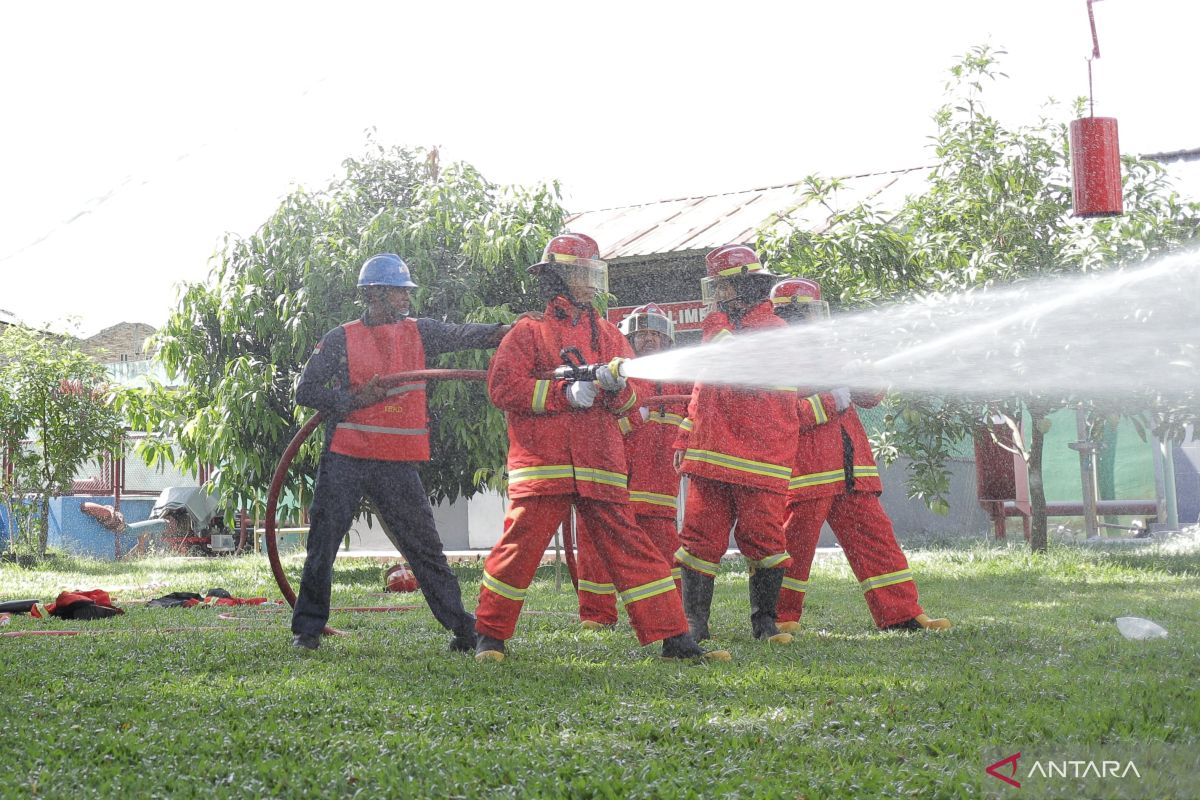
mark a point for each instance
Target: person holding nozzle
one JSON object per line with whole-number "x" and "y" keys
{"x": 653, "y": 481}
{"x": 835, "y": 479}
{"x": 565, "y": 449}
{"x": 375, "y": 436}
{"x": 737, "y": 447}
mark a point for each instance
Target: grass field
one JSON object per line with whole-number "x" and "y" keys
{"x": 130, "y": 710}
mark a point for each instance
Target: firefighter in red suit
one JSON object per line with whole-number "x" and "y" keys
{"x": 836, "y": 480}
{"x": 374, "y": 439}
{"x": 653, "y": 481}
{"x": 565, "y": 449}
{"x": 737, "y": 447}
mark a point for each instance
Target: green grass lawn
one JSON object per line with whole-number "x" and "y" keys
{"x": 1035, "y": 661}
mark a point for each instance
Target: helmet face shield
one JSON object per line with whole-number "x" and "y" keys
{"x": 585, "y": 278}
{"x": 795, "y": 310}
{"x": 654, "y": 323}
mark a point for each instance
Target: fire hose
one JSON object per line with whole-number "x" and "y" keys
{"x": 574, "y": 369}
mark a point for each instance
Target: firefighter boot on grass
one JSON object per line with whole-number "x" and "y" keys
{"x": 764, "y": 596}
{"x": 697, "y": 601}
{"x": 922, "y": 622}
{"x": 684, "y": 648}
{"x": 306, "y": 641}
{"x": 791, "y": 626}
{"x": 489, "y": 649}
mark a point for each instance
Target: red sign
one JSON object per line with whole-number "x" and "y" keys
{"x": 687, "y": 315}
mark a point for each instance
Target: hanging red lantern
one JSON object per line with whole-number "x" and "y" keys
{"x": 1095, "y": 154}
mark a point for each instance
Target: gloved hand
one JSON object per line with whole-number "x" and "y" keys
{"x": 610, "y": 377}
{"x": 645, "y": 412}
{"x": 581, "y": 394}
{"x": 369, "y": 393}
{"x": 841, "y": 398}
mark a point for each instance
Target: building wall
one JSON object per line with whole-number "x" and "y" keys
{"x": 124, "y": 341}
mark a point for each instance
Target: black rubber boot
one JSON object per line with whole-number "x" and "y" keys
{"x": 464, "y": 642}
{"x": 306, "y": 641}
{"x": 489, "y": 649}
{"x": 697, "y": 602}
{"x": 684, "y": 648}
{"x": 764, "y": 598}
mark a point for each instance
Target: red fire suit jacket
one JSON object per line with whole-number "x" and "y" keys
{"x": 653, "y": 481}
{"x": 834, "y": 454}
{"x": 742, "y": 436}
{"x": 552, "y": 447}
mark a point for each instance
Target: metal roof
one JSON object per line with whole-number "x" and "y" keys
{"x": 702, "y": 223}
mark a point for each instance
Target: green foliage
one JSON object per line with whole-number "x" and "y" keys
{"x": 997, "y": 210}
{"x": 844, "y": 712}
{"x": 56, "y": 414}
{"x": 237, "y": 342}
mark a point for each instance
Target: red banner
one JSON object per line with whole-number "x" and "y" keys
{"x": 687, "y": 316}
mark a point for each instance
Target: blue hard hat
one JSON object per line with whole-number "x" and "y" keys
{"x": 385, "y": 269}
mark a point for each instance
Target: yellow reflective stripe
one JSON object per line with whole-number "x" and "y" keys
{"x": 687, "y": 425}
{"x": 667, "y": 418}
{"x": 677, "y": 573}
{"x": 698, "y": 564}
{"x": 630, "y": 403}
{"x": 601, "y": 476}
{"x": 503, "y": 589}
{"x": 817, "y": 479}
{"x": 866, "y": 472}
{"x": 541, "y": 391}
{"x": 407, "y": 387}
{"x": 797, "y": 298}
{"x": 770, "y": 561}
{"x": 741, "y": 464}
{"x": 752, "y": 267}
{"x": 722, "y": 334}
{"x": 795, "y": 585}
{"x": 355, "y": 426}
{"x": 890, "y": 579}
{"x": 647, "y": 590}
{"x": 653, "y": 498}
{"x": 783, "y": 388}
{"x": 547, "y": 473}
{"x": 596, "y": 588}
{"x": 818, "y": 408}
{"x": 624, "y": 425}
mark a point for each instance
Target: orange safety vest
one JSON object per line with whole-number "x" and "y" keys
{"x": 396, "y": 428}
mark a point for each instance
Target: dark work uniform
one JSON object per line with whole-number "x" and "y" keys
{"x": 394, "y": 487}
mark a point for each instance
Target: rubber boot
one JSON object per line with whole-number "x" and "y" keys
{"x": 489, "y": 649}
{"x": 684, "y": 648}
{"x": 921, "y": 622}
{"x": 697, "y": 602}
{"x": 764, "y": 597}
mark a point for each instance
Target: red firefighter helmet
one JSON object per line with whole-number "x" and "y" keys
{"x": 648, "y": 318}
{"x": 399, "y": 578}
{"x": 797, "y": 299}
{"x": 728, "y": 262}
{"x": 575, "y": 258}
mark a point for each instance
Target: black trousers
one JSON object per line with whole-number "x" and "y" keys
{"x": 394, "y": 487}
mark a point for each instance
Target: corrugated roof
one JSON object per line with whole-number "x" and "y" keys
{"x": 702, "y": 223}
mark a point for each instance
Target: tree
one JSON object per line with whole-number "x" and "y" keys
{"x": 237, "y": 342}
{"x": 997, "y": 211}
{"x": 55, "y": 415}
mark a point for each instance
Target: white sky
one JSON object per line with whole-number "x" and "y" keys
{"x": 134, "y": 135}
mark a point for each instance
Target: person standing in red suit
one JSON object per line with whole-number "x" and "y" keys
{"x": 565, "y": 449}
{"x": 737, "y": 447}
{"x": 836, "y": 480}
{"x": 653, "y": 481}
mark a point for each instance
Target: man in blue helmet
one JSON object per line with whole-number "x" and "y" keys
{"x": 374, "y": 439}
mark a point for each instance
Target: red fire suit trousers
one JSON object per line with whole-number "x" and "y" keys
{"x": 640, "y": 574}
{"x": 865, "y": 533}
{"x": 712, "y": 507}
{"x": 597, "y": 593}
